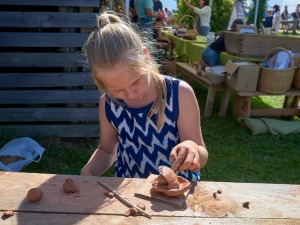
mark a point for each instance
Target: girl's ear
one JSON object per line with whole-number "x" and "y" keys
{"x": 146, "y": 54}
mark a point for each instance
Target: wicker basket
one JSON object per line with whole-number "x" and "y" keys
{"x": 191, "y": 32}
{"x": 276, "y": 81}
{"x": 296, "y": 81}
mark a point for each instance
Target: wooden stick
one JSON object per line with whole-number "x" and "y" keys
{"x": 124, "y": 200}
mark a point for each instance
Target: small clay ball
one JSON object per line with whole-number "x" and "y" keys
{"x": 69, "y": 185}
{"x": 34, "y": 194}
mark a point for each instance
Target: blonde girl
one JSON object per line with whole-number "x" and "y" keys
{"x": 146, "y": 119}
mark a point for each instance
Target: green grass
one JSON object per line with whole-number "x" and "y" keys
{"x": 235, "y": 155}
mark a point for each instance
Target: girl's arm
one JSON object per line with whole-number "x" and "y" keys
{"x": 105, "y": 155}
{"x": 191, "y": 153}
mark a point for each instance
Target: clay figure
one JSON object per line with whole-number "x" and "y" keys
{"x": 168, "y": 183}
{"x": 69, "y": 185}
{"x": 34, "y": 194}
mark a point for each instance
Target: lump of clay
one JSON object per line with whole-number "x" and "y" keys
{"x": 69, "y": 186}
{"x": 34, "y": 194}
{"x": 168, "y": 183}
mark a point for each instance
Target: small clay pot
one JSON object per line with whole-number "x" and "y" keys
{"x": 69, "y": 186}
{"x": 169, "y": 183}
{"x": 34, "y": 194}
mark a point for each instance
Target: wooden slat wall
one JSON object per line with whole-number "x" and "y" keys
{"x": 45, "y": 86}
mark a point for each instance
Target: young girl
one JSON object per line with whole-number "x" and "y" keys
{"x": 146, "y": 119}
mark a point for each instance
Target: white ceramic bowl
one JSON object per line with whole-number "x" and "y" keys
{"x": 217, "y": 78}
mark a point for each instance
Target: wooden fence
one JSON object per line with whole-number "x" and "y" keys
{"x": 45, "y": 86}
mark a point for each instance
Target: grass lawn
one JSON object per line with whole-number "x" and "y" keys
{"x": 235, "y": 155}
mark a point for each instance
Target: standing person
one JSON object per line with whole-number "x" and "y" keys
{"x": 211, "y": 55}
{"x": 276, "y": 20}
{"x": 268, "y": 22}
{"x": 132, "y": 12}
{"x": 144, "y": 11}
{"x": 169, "y": 14}
{"x": 157, "y": 6}
{"x": 146, "y": 119}
{"x": 296, "y": 15}
{"x": 204, "y": 14}
{"x": 285, "y": 16}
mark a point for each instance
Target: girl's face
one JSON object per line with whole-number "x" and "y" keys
{"x": 131, "y": 87}
{"x": 201, "y": 3}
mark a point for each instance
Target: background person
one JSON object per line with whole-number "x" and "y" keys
{"x": 268, "y": 22}
{"x": 146, "y": 119}
{"x": 144, "y": 11}
{"x": 285, "y": 16}
{"x": 211, "y": 55}
{"x": 204, "y": 14}
{"x": 276, "y": 20}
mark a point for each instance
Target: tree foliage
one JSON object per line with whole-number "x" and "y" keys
{"x": 262, "y": 8}
{"x": 221, "y": 11}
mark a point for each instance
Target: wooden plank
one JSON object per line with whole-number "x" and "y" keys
{"x": 48, "y": 114}
{"x": 76, "y": 3}
{"x": 22, "y": 80}
{"x": 48, "y": 130}
{"x": 293, "y": 91}
{"x": 42, "y": 39}
{"x": 94, "y": 219}
{"x": 47, "y": 19}
{"x": 266, "y": 201}
{"x": 20, "y": 59}
{"x": 48, "y": 96}
{"x": 276, "y": 112}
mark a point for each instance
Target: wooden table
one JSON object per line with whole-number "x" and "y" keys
{"x": 268, "y": 203}
{"x": 187, "y": 69}
{"x": 242, "y": 106}
{"x": 182, "y": 46}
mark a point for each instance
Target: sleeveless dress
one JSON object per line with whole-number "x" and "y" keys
{"x": 142, "y": 148}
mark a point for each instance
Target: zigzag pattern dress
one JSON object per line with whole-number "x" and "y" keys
{"x": 142, "y": 148}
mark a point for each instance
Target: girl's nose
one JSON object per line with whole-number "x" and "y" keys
{"x": 131, "y": 93}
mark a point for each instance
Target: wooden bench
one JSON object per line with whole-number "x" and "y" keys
{"x": 45, "y": 88}
{"x": 243, "y": 101}
{"x": 190, "y": 71}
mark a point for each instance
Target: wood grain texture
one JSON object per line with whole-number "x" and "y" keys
{"x": 267, "y": 202}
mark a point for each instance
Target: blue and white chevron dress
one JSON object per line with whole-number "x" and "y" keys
{"x": 143, "y": 148}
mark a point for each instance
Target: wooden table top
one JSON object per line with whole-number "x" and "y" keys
{"x": 268, "y": 203}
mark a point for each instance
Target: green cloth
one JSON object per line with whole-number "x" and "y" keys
{"x": 225, "y": 56}
{"x": 272, "y": 126}
{"x": 195, "y": 52}
{"x": 182, "y": 46}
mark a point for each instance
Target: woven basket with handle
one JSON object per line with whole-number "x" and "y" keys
{"x": 276, "y": 81}
{"x": 192, "y": 32}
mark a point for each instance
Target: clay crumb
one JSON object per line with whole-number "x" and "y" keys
{"x": 69, "y": 186}
{"x": 8, "y": 213}
{"x": 246, "y": 205}
{"x": 109, "y": 194}
{"x": 141, "y": 206}
{"x": 215, "y": 194}
{"x": 131, "y": 212}
{"x": 219, "y": 191}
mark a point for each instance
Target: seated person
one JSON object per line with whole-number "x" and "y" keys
{"x": 211, "y": 54}
{"x": 163, "y": 43}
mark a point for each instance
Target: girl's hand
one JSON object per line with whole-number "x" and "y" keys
{"x": 185, "y": 156}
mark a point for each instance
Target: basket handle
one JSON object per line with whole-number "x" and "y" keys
{"x": 189, "y": 17}
{"x": 277, "y": 49}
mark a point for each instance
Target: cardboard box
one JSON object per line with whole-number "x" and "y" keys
{"x": 242, "y": 76}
